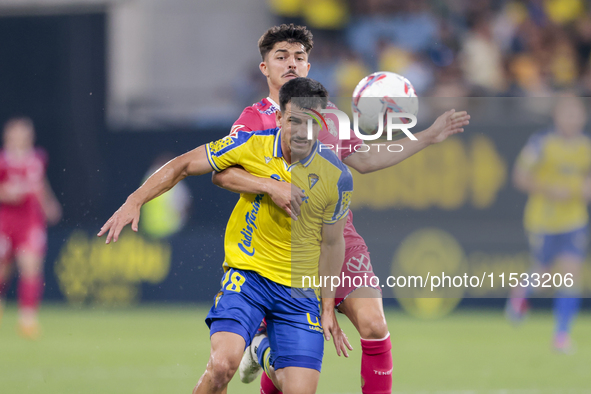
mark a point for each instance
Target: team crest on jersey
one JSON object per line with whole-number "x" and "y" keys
{"x": 312, "y": 180}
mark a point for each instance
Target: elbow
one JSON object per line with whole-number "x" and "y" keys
{"x": 363, "y": 168}
{"x": 522, "y": 183}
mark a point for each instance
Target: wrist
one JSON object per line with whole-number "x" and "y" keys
{"x": 426, "y": 136}
{"x": 328, "y": 305}
{"x": 267, "y": 186}
{"x": 134, "y": 200}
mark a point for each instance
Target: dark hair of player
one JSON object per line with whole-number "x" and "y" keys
{"x": 24, "y": 120}
{"x": 307, "y": 93}
{"x": 290, "y": 33}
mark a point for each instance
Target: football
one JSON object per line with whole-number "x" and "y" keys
{"x": 380, "y": 93}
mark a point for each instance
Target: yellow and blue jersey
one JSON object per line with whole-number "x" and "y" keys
{"x": 558, "y": 162}
{"x": 260, "y": 236}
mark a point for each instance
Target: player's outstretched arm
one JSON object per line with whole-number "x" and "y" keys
{"x": 238, "y": 180}
{"x": 332, "y": 255}
{"x": 51, "y": 206}
{"x": 449, "y": 123}
{"x": 191, "y": 163}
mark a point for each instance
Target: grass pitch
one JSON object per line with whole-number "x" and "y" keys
{"x": 164, "y": 349}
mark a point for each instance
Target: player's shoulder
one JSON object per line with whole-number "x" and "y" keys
{"x": 255, "y": 116}
{"x": 330, "y": 158}
{"x": 264, "y": 107}
{"x": 537, "y": 140}
{"x": 241, "y": 138}
{"x": 41, "y": 155}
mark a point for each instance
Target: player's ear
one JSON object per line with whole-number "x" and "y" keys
{"x": 308, "y": 67}
{"x": 278, "y": 118}
{"x": 263, "y": 68}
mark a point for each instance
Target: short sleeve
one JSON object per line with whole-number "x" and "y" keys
{"x": 227, "y": 152}
{"x": 340, "y": 201}
{"x": 43, "y": 157}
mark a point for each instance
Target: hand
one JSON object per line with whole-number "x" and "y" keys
{"x": 280, "y": 193}
{"x": 450, "y": 123}
{"x": 128, "y": 213}
{"x": 297, "y": 197}
{"x": 330, "y": 326}
{"x": 53, "y": 212}
{"x": 286, "y": 197}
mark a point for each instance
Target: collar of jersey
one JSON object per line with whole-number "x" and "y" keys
{"x": 278, "y": 152}
{"x": 273, "y": 103}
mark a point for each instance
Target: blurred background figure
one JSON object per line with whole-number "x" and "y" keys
{"x": 166, "y": 215}
{"x": 554, "y": 169}
{"x": 27, "y": 205}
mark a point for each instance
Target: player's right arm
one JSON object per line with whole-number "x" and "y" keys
{"x": 238, "y": 180}
{"x": 194, "y": 162}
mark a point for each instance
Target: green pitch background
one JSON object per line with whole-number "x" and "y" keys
{"x": 164, "y": 349}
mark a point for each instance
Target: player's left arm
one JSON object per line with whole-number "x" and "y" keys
{"x": 51, "y": 206}
{"x": 445, "y": 125}
{"x": 332, "y": 255}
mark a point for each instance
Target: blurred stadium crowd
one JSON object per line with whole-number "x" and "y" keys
{"x": 446, "y": 48}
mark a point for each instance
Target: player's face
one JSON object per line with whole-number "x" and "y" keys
{"x": 570, "y": 116}
{"x": 19, "y": 137}
{"x": 284, "y": 62}
{"x": 294, "y": 131}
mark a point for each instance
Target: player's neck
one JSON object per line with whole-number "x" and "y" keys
{"x": 273, "y": 94}
{"x": 17, "y": 154}
{"x": 286, "y": 153}
{"x": 568, "y": 136}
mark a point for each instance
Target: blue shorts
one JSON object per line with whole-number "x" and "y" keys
{"x": 547, "y": 247}
{"x": 293, "y": 324}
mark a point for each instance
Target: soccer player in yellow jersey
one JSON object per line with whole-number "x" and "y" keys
{"x": 553, "y": 169}
{"x": 266, "y": 252}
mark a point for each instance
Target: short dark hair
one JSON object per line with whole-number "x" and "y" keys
{"x": 24, "y": 120}
{"x": 290, "y": 33}
{"x": 309, "y": 93}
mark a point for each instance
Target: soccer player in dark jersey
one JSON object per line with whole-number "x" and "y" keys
{"x": 284, "y": 50}
{"x": 27, "y": 204}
